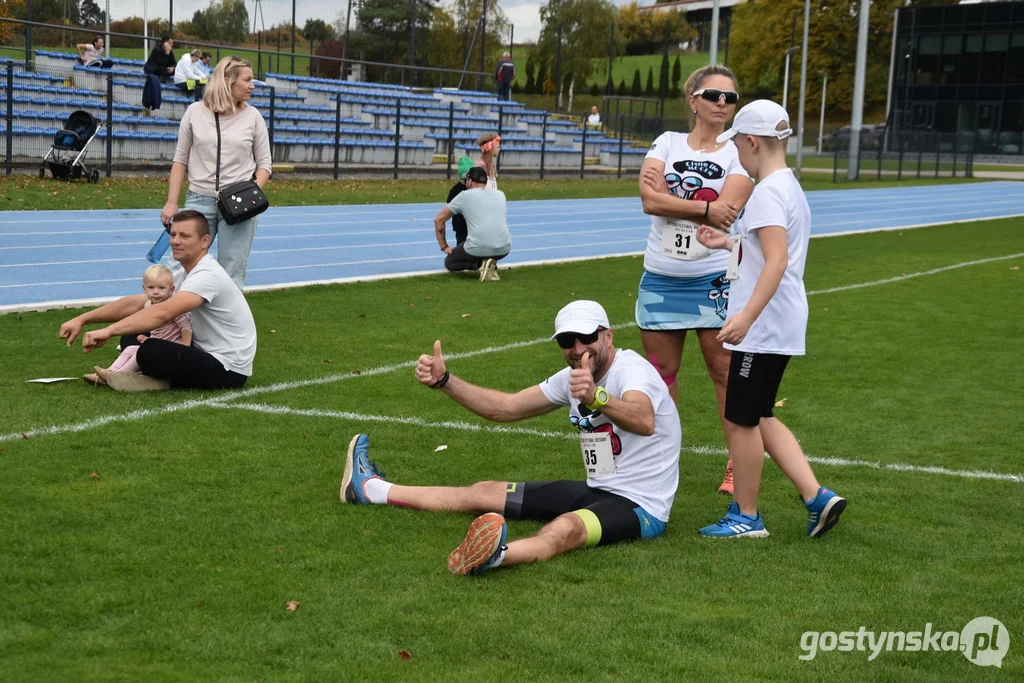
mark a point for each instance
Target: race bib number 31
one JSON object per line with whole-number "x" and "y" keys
{"x": 679, "y": 241}
{"x": 597, "y": 454}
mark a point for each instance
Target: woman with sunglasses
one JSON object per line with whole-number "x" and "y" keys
{"x": 688, "y": 180}
{"x": 244, "y": 152}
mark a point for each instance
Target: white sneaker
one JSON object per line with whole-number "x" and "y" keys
{"x": 493, "y": 277}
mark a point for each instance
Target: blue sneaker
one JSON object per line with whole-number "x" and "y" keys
{"x": 358, "y": 469}
{"x": 484, "y": 547}
{"x": 735, "y": 525}
{"x": 823, "y": 511}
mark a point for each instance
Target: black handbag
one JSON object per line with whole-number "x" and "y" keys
{"x": 238, "y": 202}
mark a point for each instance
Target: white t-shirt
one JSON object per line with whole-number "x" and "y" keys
{"x": 223, "y": 326}
{"x": 690, "y": 174}
{"x": 187, "y": 70}
{"x": 782, "y": 326}
{"x": 594, "y": 119}
{"x": 646, "y": 467}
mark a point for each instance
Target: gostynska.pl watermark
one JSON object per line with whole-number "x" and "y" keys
{"x": 983, "y": 641}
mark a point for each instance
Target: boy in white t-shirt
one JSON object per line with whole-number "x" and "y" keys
{"x": 766, "y": 324}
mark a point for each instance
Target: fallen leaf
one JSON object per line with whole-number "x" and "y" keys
{"x": 94, "y": 475}
{"x": 273, "y": 331}
{"x": 327, "y": 360}
{"x": 292, "y": 605}
{"x": 465, "y": 315}
{"x": 825, "y": 309}
{"x": 357, "y": 372}
{"x": 1014, "y": 267}
{"x": 427, "y": 298}
{"x": 412, "y": 305}
{"x": 405, "y": 654}
{"x": 440, "y": 448}
{"x": 202, "y": 603}
{"x": 779, "y": 404}
{"x": 362, "y": 315}
{"x": 24, "y": 435}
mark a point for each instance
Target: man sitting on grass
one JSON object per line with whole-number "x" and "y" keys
{"x": 629, "y": 442}
{"x": 223, "y": 330}
{"x": 487, "y": 240}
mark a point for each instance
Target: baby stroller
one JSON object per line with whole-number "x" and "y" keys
{"x": 67, "y": 152}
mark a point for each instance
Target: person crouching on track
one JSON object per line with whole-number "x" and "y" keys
{"x": 487, "y": 239}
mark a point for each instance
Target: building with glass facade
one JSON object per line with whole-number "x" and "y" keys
{"x": 959, "y": 70}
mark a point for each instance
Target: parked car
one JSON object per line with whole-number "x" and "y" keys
{"x": 871, "y": 137}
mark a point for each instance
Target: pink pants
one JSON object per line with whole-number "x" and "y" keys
{"x": 126, "y": 361}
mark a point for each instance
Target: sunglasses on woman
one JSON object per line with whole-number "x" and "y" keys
{"x": 567, "y": 340}
{"x": 714, "y": 94}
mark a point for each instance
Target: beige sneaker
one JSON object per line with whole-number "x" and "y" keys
{"x": 135, "y": 382}
{"x": 94, "y": 379}
{"x": 493, "y": 277}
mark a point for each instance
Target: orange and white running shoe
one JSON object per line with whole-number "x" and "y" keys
{"x": 483, "y": 548}
{"x": 726, "y": 486}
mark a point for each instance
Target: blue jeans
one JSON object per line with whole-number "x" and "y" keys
{"x": 235, "y": 240}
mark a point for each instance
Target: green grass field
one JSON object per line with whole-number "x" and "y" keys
{"x": 159, "y": 537}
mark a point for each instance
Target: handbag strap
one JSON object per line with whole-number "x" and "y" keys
{"x": 216, "y": 118}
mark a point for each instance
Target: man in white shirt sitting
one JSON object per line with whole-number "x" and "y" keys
{"x": 594, "y": 120}
{"x": 629, "y": 442}
{"x": 189, "y": 77}
{"x": 223, "y": 329}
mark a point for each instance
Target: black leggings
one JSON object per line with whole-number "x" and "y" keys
{"x": 186, "y": 367}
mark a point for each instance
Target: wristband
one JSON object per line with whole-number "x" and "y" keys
{"x": 441, "y": 382}
{"x": 707, "y": 207}
{"x": 600, "y": 398}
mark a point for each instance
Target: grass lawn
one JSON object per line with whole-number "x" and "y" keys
{"x": 624, "y": 67}
{"x": 22, "y": 192}
{"x": 163, "y": 541}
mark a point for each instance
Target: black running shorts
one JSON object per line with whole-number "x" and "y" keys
{"x": 609, "y": 518}
{"x": 754, "y": 380}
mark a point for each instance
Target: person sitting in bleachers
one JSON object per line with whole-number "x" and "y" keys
{"x": 188, "y": 77}
{"x": 161, "y": 60}
{"x": 91, "y": 54}
{"x": 594, "y": 120}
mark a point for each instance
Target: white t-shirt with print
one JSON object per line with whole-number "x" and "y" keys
{"x": 223, "y": 326}
{"x": 646, "y": 467}
{"x": 690, "y": 174}
{"x": 782, "y": 326}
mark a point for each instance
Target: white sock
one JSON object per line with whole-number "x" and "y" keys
{"x": 376, "y": 489}
{"x": 500, "y": 558}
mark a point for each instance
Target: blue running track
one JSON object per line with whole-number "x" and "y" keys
{"x": 50, "y": 258}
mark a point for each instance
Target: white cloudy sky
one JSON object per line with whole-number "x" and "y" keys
{"x": 524, "y": 14}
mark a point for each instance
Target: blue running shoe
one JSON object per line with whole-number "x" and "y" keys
{"x": 484, "y": 547}
{"x": 735, "y": 525}
{"x": 358, "y": 469}
{"x": 823, "y": 511}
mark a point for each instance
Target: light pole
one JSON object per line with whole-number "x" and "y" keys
{"x": 713, "y": 56}
{"x": 821, "y": 121}
{"x": 857, "y": 117}
{"x": 802, "y": 107}
{"x": 785, "y": 82}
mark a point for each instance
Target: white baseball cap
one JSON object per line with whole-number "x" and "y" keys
{"x": 760, "y": 117}
{"x": 581, "y": 317}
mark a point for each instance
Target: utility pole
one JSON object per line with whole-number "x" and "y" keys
{"x": 803, "y": 91}
{"x": 412, "y": 46}
{"x": 821, "y": 122}
{"x": 558, "y": 70}
{"x": 483, "y": 37}
{"x": 293, "y": 38}
{"x": 713, "y": 57}
{"x": 344, "y": 45}
{"x": 857, "y": 121}
{"x": 610, "y": 88}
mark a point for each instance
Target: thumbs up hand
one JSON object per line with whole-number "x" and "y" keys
{"x": 581, "y": 381}
{"x": 429, "y": 369}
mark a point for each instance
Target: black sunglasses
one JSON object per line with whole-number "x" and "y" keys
{"x": 567, "y": 340}
{"x": 713, "y": 95}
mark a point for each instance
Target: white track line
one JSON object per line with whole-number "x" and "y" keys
{"x": 502, "y": 429}
{"x": 284, "y": 386}
{"x": 908, "y": 276}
